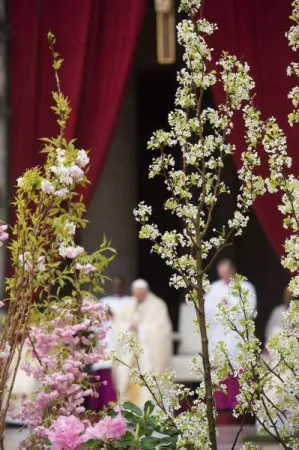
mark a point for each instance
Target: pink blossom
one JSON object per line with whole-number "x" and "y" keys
{"x": 65, "y": 433}
{"x": 87, "y": 268}
{"x": 3, "y": 234}
{"x": 115, "y": 428}
{"x": 2, "y": 304}
{"x": 44, "y": 342}
{"x": 89, "y": 305}
{"x": 47, "y": 187}
{"x": 108, "y": 428}
{"x": 63, "y": 384}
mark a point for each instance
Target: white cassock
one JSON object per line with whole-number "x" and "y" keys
{"x": 275, "y": 321}
{"x": 219, "y": 292}
{"x": 116, "y": 304}
{"x": 155, "y": 338}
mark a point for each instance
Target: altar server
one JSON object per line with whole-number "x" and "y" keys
{"x": 106, "y": 390}
{"x": 218, "y": 293}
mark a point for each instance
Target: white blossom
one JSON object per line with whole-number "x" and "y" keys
{"x": 86, "y": 268}
{"x": 28, "y": 262}
{"x": 142, "y": 213}
{"x": 70, "y": 227}
{"x": 69, "y": 251}
{"x": 63, "y": 192}
{"x": 82, "y": 159}
{"x": 76, "y": 172}
{"x": 47, "y": 187}
{"x": 192, "y": 152}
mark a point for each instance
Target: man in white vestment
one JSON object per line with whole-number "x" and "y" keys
{"x": 275, "y": 319}
{"x": 147, "y": 316}
{"x": 220, "y": 293}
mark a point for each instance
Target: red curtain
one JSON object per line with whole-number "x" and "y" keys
{"x": 97, "y": 39}
{"x": 254, "y": 30}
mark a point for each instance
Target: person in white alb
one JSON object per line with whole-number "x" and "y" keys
{"x": 147, "y": 316}
{"x": 276, "y": 317}
{"x": 219, "y": 292}
{"x": 106, "y": 389}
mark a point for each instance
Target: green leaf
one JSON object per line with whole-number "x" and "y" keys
{"x": 148, "y": 408}
{"x": 150, "y": 443}
{"x": 133, "y": 408}
{"x": 95, "y": 444}
{"x": 126, "y": 440}
{"x": 109, "y": 447}
{"x": 133, "y": 418}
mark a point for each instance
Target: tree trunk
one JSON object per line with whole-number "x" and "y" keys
{"x": 200, "y": 312}
{"x": 2, "y": 442}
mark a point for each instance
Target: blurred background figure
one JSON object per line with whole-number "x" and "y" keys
{"x": 118, "y": 299}
{"x": 275, "y": 319}
{"x": 147, "y": 316}
{"x": 220, "y": 293}
{"x": 24, "y": 385}
{"x": 106, "y": 391}
{"x": 275, "y": 394}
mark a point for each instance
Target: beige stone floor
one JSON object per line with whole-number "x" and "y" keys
{"x": 228, "y": 433}
{"x": 13, "y": 436}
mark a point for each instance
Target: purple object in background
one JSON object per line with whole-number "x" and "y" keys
{"x": 105, "y": 390}
{"x": 229, "y": 400}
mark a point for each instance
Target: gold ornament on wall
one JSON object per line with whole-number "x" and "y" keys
{"x": 166, "y": 36}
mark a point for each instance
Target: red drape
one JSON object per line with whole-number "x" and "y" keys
{"x": 97, "y": 39}
{"x": 254, "y": 30}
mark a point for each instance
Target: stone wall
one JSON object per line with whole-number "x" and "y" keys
{"x": 110, "y": 212}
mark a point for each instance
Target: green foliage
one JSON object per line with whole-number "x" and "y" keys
{"x": 146, "y": 425}
{"x": 142, "y": 433}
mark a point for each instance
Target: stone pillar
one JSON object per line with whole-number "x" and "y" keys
{"x": 110, "y": 212}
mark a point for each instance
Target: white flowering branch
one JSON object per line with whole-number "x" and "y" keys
{"x": 192, "y": 156}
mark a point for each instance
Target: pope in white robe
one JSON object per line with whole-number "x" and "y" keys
{"x": 147, "y": 316}
{"x": 220, "y": 293}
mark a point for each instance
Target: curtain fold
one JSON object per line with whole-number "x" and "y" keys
{"x": 254, "y": 30}
{"x": 97, "y": 39}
